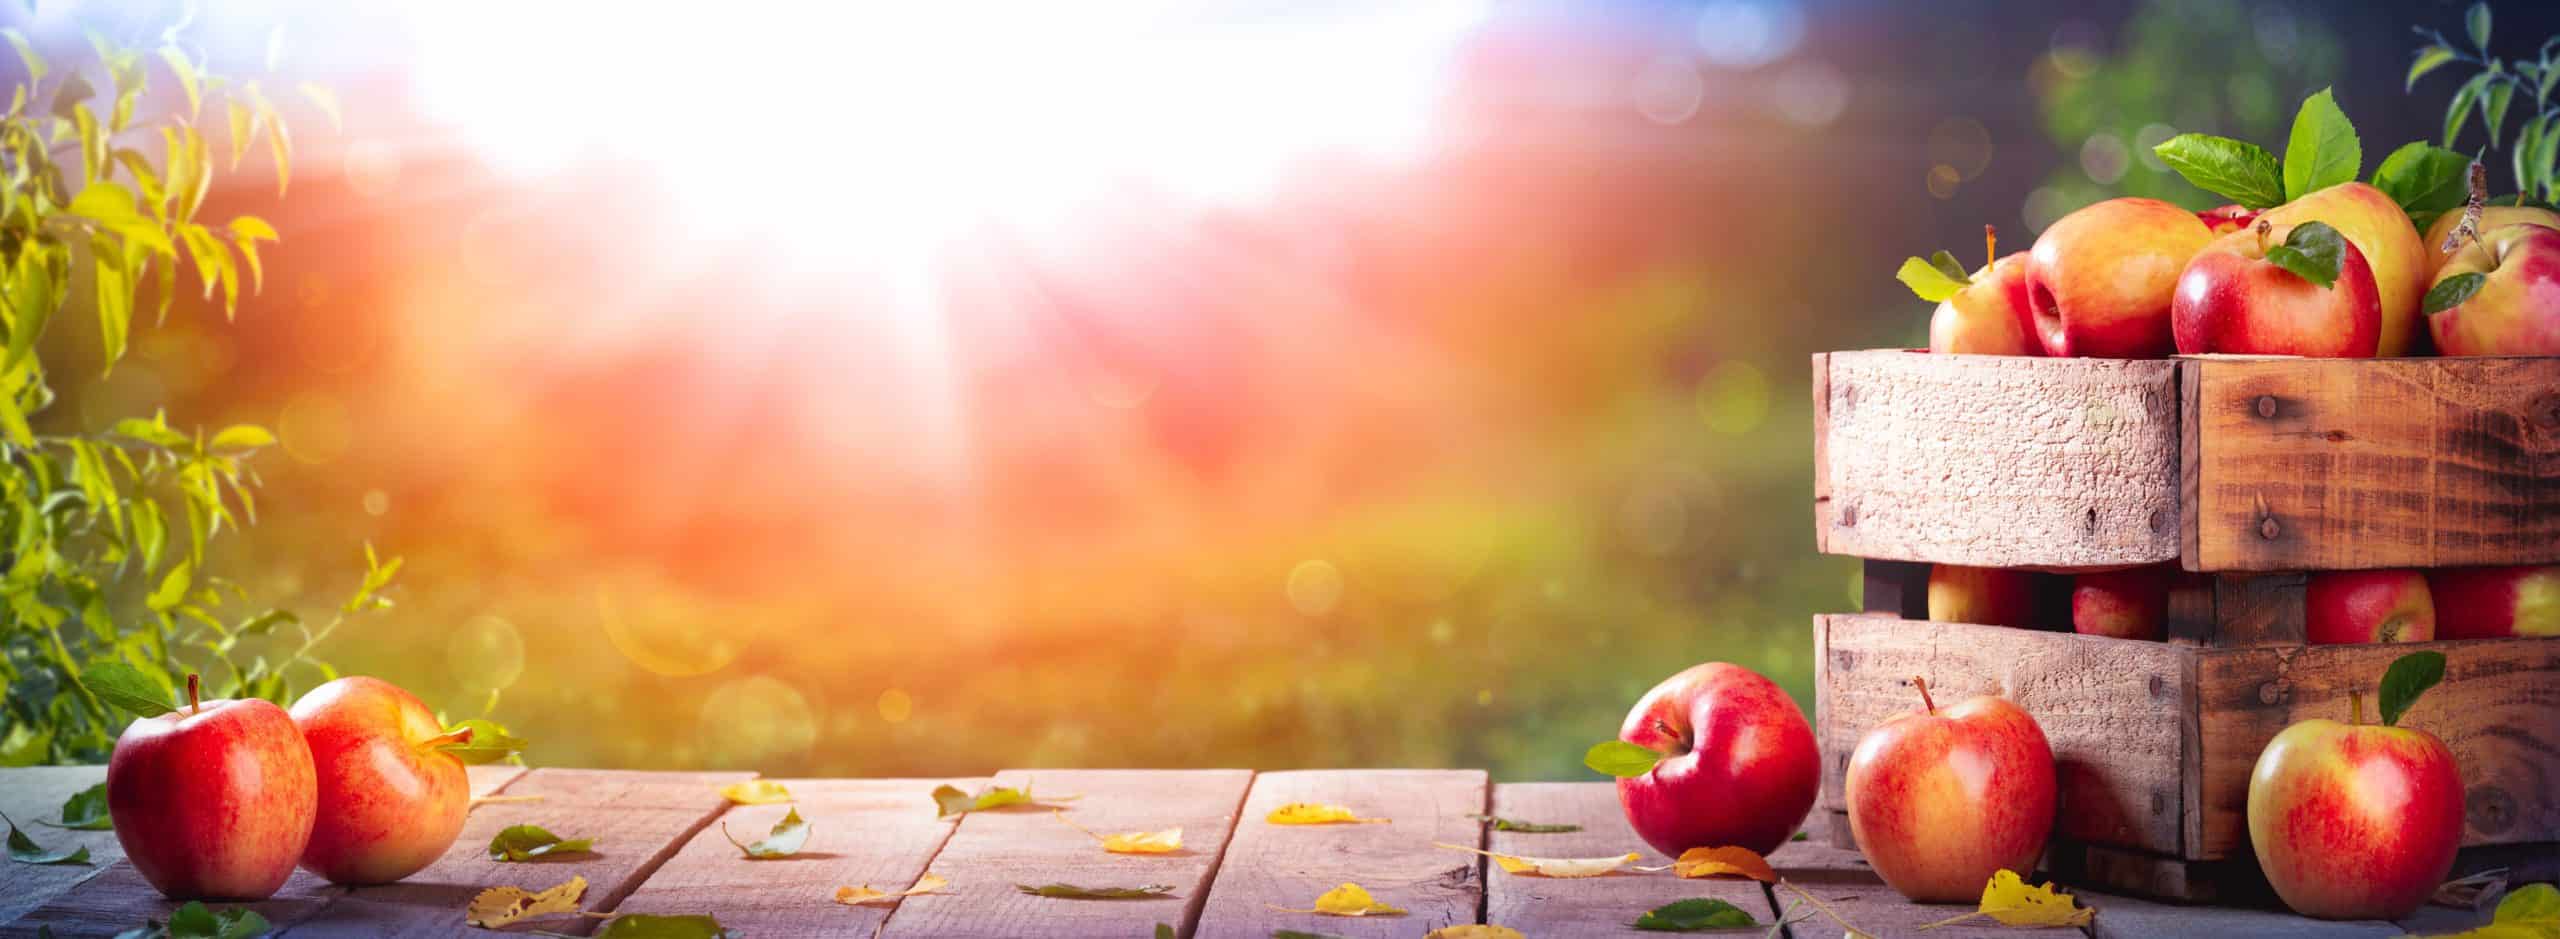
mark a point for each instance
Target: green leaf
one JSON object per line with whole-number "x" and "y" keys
{"x": 75, "y": 91}
{"x": 26, "y": 744}
{"x": 1948, "y": 265}
{"x": 526, "y": 842}
{"x": 489, "y": 742}
{"x": 173, "y": 588}
{"x": 784, "y": 841}
{"x": 949, "y": 801}
{"x": 26, "y": 53}
{"x": 2407, "y": 678}
{"x": 2322, "y": 151}
{"x": 2459, "y": 112}
{"x": 1164, "y": 931}
{"x": 1694, "y": 914}
{"x": 2493, "y": 109}
{"x": 242, "y": 437}
{"x": 2237, "y": 170}
{"x": 246, "y": 232}
{"x": 113, "y": 207}
{"x": 188, "y": 82}
{"x": 2313, "y": 251}
{"x": 2476, "y": 23}
{"x": 2428, "y": 59}
{"x": 86, "y": 810}
{"x": 652, "y": 926}
{"x": 2423, "y": 178}
{"x": 1528, "y": 828}
{"x": 2533, "y": 907}
{"x": 1620, "y": 758}
{"x": 2528, "y": 142}
{"x": 24, "y": 850}
{"x": 1926, "y": 280}
{"x": 33, "y": 296}
{"x": 2451, "y": 291}
{"x": 124, "y": 686}
{"x": 1073, "y": 892}
{"x": 194, "y": 921}
{"x": 244, "y": 128}
{"x": 156, "y": 432}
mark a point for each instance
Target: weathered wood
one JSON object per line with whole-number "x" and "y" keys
{"x": 2111, "y": 708}
{"x": 30, "y": 797}
{"x": 1997, "y": 461}
{"x": 2237, "y": 610}
{"x": 638, "y": 820}
{"x": 2327, "y": 464}
{"x": 1289, "y": 866}
{"x": 488, "y": 778}
{"x": 1878, "y": 911}
{"x": 1590, "y": 906}
{"x": 1818, "y": 857}
{"x": 2231, "y": 881}
{"x": 2495, "y": 710}
{"x": 116, "y": 898}
{"x": 991, "y": 852}
{"x": 2123, "y": 917}
{"x": 875, "y": 832}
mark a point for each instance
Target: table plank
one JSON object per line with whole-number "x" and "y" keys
{"x": 2130, "y": 918}
{"x": 638, "y": 820}
{"x": 1289, "y": 866}
{"x": 880, "y": 832}
{"x": 989, "y": 852}
{"x": 34, "y": 794}
{"x": 488, "y": 778}
{"x": 117, "y": 899}
{"x": 1593, "y": 906}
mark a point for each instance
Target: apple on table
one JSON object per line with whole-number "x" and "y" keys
{"x": 393, "y": 791}
{"x": 1940, "y": 800}
{"x": 214, "y": 800}
{"x": 2357, "y": 820}
{"x": 2368, "y": 606}
{"x": 2496, "y": 602}
{"x": 1714, "y": 756}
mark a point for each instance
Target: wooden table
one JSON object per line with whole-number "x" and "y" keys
{"x": 660, "y": 849}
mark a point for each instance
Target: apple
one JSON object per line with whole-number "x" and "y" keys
{"x": 2232, "y": 298}
{"x": 2515, "y": 307}
{"x": 1990, "y": 315}
{"x": 212, "y": 801}
{"x": 2491, "y": 217}
{"x": 1738, "y": 764}
{"x": 2228, "y": 219}
{"x": 1989, "y": 596}
{"x": 2368, "y": 606}
{"x": 2495, "y": 602}
{"x": 2379, "y": 228}
{"x": 2100, "y": 279}
{"x": 391, "y": 801}
{"x": 1941, "y": 800}
{"x": 2127, "y": 604}
{"x": 2357, "y": 820}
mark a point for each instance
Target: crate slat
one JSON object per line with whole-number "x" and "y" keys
{"x": 1289, "y": 865}
{"x": 1590, "y": 906}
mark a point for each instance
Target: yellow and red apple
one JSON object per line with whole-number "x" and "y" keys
{"x": 2496, "y": 602}
{"x": 2100, "y": 279}
{"x": 1989, "y": 316}
{"x": 2380, "y": 229}
{"x": 2492, "y": 217}
{"x": 2512, "y": 306}
{"x": 1733, "y": 762}
{"x": 2233, "y": 298}
{"x": 212, "y": 801}
{"x": 1941, "y": 800}
{"x": 391, "y": 801}
{"x": 2356, "y": 820}
{"x": 2126, "y": 604}
{"x": 1989, "y": 596}
{"x": 2368, "y": 606}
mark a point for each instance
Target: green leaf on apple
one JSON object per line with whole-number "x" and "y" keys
{"x": 2313, "y": 251}
{"x": 2451, "y": 291}
{"x": 126, "y": 687}
{"x": 1527, "y": 828}
{"x": 1073, "y": 892}
{"x": 25, "y": 850}
{"x": 650, "y": 926}
{"x": 2322, "y": 151}
{"x": 2425, "y": 179}
{"x": 86, "y": 810}
{"x": 527, "y": 842}
{"x": 784, "y": 841}
{"x": 486, "y": 742}
{"x": 2407, "y": 678}
{"x": 1695, "y": 914}
{"x": 1930, "y": 281}
{"x": 196, "y": 921}
{"x": 2237, "y": 170}
{"x": 1620, "y": 759}
{"x": 2428, "y": 59}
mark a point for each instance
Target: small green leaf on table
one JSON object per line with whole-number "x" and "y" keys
{"x": 2409, "y": 676}
{"x": 86, "y": 810}
{"x": 527, "y": 842}
{"x": 1073, "y": 892}
{"x": 196, "y": 921}
{"x": 784, "y": 841}
{"x": 1695, "y": 914}
{"x": 2313, "y": 251}
{"x": 1528, "y": 828}
{"x": 124, "y": 686}
{"x": 1620, "y": 758}
{"x": 25, "y": 850}
{"x": 650, "y": 926}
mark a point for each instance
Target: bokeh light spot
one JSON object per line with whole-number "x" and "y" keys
{"x": 2103, "y": 157}
{"x": 1811, "y": 93}
{"x": 756, "y": 719}
{"x": 659, "y": 633}
{"x": 1943, "y": 180}
{"x": 1315, "y": 587}
{"x": 1668, "y": 89}
{"x": 372, "y": 168}
{"x": 1734, "y": 398}
{"x": 1963, "y": 143}
{"x": 486, "y": 653}
{"x": 376, "y": 502}
{"x": 314, "y": 427}
{"x": 1745, "y": 34}
{"x": 896, "y": 706}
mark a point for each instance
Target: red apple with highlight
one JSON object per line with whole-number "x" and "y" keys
{"x": 2368, "y": 606}
{"x": 2515, "y": 308}
{"x": 1737, "y": 766}
{"x": 2496, "y": 602}
{"x": 2357, "y": 820}
{"x": 1939, "y": 800}
{"x": 212, "y": 801}
{"x": 2100, "y": 279}
{"x": 2233, "y": 299}
{"x": 391, "y": 801}
{"x": 2373, "y": 222}
{"x": 1990, "y": 315}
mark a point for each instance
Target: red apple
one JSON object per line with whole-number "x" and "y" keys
{"x": 2100, "y": 279}
{"x": 2126, "y": 604}
{"x": 2368, "y": 606}
{"x": 2373, "y": 222}
{"x": 390, "y": 801}
{"x": 1990, "y": 315}
{"x": 1941, "y": 800}
{"x": 2516, "y": 308}
{"x": 2356, "y": 821}
{"x": 1738, "y": 763}
{"x": 214, "y": 800}
{"x": 1988, "y": 596}
{"x": 2232, "y": 299}
{"x": 2494, "y": 602}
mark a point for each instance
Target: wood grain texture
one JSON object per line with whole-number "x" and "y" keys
{"x": 991, "y": 852}
{"x": 2495, "y": 710}
{"x": 1588, "y": 906}
{"x": 2123, "y": 917}
{"x": 2237, "y": 610}
{"x": 876, "y": 832}
{"x": 488, "y": 778}
{"x": 1997, "y": 461}
{"x": 116, "y": 898}
{"x": 1879, "y": 911}
{"x": 1819, "y": 858}
{"x": 34, "y": 795}
{"x": 2111, "y": 709}
{"x": 2327, "y": 464}
{"x": 1290, "y": 865}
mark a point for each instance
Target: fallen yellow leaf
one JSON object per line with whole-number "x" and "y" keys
{"x": 1551, "y": 866}
{"x": 2013, "y": 902}
{"x": 756, "y": 792}
{"x": 1348, "y": 900}
{"x": 499, "y": 907}
{"x": 857, "y": 896}
{"x": 1310, "y": 813}
{"x": 1131, "y": 842}
{"x": 1727, "y": 860}
{"x": 1474, "y": 932}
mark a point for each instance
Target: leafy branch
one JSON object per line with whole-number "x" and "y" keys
{"x": 2493, "y": 89}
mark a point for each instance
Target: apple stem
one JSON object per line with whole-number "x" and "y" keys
{"x": 2355, "y": 707}
{"x": 1990, "y": 247}
{"x": 2265, "y": 228}
{"x": 195, "y": 694}
{"x": 1923, "y": 685}
{"x": 454, "y": 736}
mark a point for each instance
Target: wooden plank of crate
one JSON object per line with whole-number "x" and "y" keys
{"x": 2111, "y": 709}
{"x": 991, "y": 852}
{"x": 30, "y": 796}
{"x": 874, "y": 832}
{"x": 1592, "y": 906}
{"x": 1288, "y": 866}
{"x": 2493, "y": 709}
{"x": 2328, "y": 464}
{"x": 638, "y": 820}
{"x": 1997, "y": 461}
{"x": 2237, "y": 609}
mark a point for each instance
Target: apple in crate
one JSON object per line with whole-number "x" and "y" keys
{"x": 2126, "y": 604}
{"x": 1980, "y": 313}
{"x": 2357, "y": 820}
{"x": 2379, "y": 229}
{"x": 2500, "y": 297}
{"x": 1988, "y": 596}
{"x": 2368, "y": 606}
{"x": 393, "y": 791}
{"x": 2100, "y": 279}
{"x": 2496, "y": 602}
{"x": 2305, "y": 291}
{"x": 1714, "y": 756}
{"x": 214, "y": 800}
{"x": 2492, "y": 217}
{"x": 1939, "y": 800}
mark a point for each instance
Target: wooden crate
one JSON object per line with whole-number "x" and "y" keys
{"x": 2245, "y": 471}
